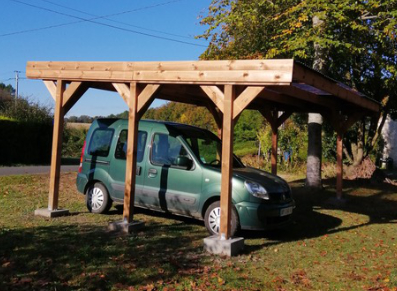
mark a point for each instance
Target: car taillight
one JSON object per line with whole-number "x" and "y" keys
{"x": 81, "y": 158}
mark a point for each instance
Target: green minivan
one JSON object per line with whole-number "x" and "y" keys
{"x": 179, "y": 172}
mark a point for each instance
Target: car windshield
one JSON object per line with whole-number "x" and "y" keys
{"x": 207, "y": 147}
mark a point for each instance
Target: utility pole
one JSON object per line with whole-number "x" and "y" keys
{"x": 16, "y": 84}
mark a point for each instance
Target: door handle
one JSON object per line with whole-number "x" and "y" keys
{"x": 152, "y": 173}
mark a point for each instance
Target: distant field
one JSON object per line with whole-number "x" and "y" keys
{"x": 327, "y": 247}
{"x": 78, "y": 125}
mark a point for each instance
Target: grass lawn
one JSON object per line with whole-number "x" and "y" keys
{"x": 350, "y": 247}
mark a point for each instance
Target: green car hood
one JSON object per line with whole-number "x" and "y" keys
{"x": 272, "y": 183}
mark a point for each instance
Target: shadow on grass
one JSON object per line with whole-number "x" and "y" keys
{"x": 87, "y": 257}
{"x": 374, "y": 202}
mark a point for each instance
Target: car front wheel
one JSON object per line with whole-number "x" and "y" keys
{"x": 97, "y": 198}
{"x": 212, "y": 219}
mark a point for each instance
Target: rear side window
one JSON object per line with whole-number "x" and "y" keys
{"x": 166, "y": 149}
{"x": 121, "y": 147}
{"x": 100, "y": 142}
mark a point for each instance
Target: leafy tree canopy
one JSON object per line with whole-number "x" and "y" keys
{"x": 358, "y": 37}
{"x": 357, "y": 40}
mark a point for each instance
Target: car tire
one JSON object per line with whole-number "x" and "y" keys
{"x": 212, "y": 219}
{"x": 97, "y": 198}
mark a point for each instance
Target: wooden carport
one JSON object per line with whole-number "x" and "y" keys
{"x": 276, "y": 88}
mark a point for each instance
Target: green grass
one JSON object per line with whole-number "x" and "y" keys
{"x": 350, "y": 247}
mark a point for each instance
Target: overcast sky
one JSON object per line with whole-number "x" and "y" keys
{"x": 95, "y": 30}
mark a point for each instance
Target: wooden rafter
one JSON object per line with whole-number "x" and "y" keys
{"x": 307, "y": 76}
{"x": 244, "y": 99}
{"x": 215, "y": 94}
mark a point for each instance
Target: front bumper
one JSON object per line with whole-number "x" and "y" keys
{"x": 261, "y": 216}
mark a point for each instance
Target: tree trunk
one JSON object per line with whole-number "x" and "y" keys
{"x": 314, "y": 150}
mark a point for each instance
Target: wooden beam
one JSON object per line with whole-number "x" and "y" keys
{"x": 274, "y": 150}
{"x": 245, "y": 98}
{"x": 325, "y": 101}
{"x": 310, "y": 77}
{"x": 146, "y": 97}
{"x": 227, "y": 162}
{"x": 283, "y": 65}
{"x": 339, "y": 165}
{"x": 132, "y": 141}
{"x": 216, "y": 95}
{"x": 52, "y": 88}
{"x": 218, "y": 116}
{"x": 124, "y": 91}
{"x": 195, "y": 72}
{"x": 72, "y": 94}
{"x": 281, "y": 119}
{"x": 56, "y": 147}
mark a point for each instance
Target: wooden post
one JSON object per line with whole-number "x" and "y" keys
{"x": 339, "y": 165}
{"x": 274, "y": 149}
{"x": 227, "y": 162}
{"x": 133, "y": 120}
{"x": 56, "y": 147}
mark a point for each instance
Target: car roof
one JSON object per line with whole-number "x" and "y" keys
{"x": 114, "y": 122}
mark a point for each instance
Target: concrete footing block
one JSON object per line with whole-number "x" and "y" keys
{"x": 227, "y": 247}
{"x": 45, "y": 212}
{"x": 126, "y": 227}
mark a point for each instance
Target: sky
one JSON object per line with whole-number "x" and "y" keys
{"x": 95, "y": 30}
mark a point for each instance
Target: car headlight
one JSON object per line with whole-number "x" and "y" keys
{"x": 256, "y": 190}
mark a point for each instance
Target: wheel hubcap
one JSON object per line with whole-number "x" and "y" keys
{"x": 96, "y": 198}
{"x": 214, "y": 219}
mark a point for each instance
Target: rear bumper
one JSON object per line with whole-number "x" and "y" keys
{"x": 255, "y": 216}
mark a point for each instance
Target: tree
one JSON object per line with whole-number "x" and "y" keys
{"x": 357, "y": 39}
{"x": 6, "y": 93}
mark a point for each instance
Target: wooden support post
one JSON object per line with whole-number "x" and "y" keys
{"x": 227, "y": 162}
{"x": 274, "y": 150}
{"x": 56, "y": 147}
{"x": 341, "y": 124}
{"x": 133, "y": 120}
{"x": 275, "y": 122}
{"x": 339, "y": 165}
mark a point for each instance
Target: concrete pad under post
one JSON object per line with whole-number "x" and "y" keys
{"x": 45, "y": 212}
{"x": 126, "y": 227}
{"x": 228, "y": 247}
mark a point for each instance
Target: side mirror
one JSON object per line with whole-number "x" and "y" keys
{"x": 184, "y": 162}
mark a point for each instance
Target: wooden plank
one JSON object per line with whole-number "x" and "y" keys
{"x": 274, "y": 150}
{"x": 56, "y": 147}
{"x": 227, "y": 65}
{"x": 283, "y": 118}
{"x": 216, "y": 95}
{"x": 339, "y": 165}
{"x": 273, "y": 119}
{"x": 132, "y": 141}
{"x": 52, "y": 88}
{"x": 146, "y": 97}
{"x": 123, "y": 90}
{"x": 72, "y": 94}
{"x": 245, "y": 98}
{"x": 301, "y": 94}
{"x": 198, "y": 77}
{"x": 227, "y": 162}
{"x": 218, "y": 116}
{"x": 283, "y": 99}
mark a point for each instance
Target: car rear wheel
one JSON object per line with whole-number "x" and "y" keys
{"x": 97, "y": 198}
{"x": 212, "y": 219}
